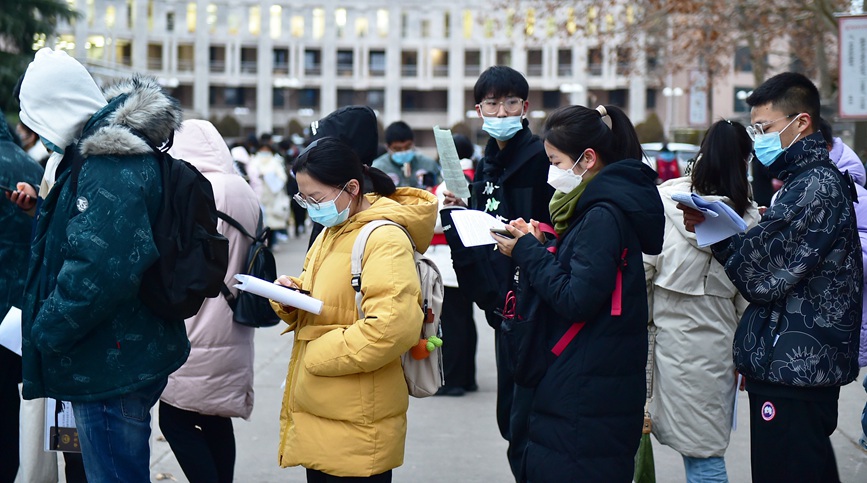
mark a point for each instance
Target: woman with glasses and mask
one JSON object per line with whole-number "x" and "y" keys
{"x": 345, "y": 402}
{"x": 695, "y": 309}
{"x": 587, "y": 410}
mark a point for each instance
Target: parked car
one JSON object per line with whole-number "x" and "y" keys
{"x": 684, "y": 152}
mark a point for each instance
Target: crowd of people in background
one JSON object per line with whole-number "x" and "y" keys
{"x": 596, "y": 255}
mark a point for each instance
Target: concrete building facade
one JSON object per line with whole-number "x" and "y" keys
{"x": 267, "y": 63}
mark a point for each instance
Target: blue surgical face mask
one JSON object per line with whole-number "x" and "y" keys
{"x": 768, "y": 146}
{"x": 502, "y": 128}
{"x": 326, "y": 212}
{"x": 402, "y": 157}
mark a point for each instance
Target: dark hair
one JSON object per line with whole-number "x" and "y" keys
{"x": 721, "y": 168}
{"x": 500, "y": 81}
{"x": 573, "y": 129}
{"x": 790, "y": 93}
{"x": 331, "y": 161}
{"x": 464, "y": 146}
{"x": 827, "y": 131}
{"x": 398, "y": 131}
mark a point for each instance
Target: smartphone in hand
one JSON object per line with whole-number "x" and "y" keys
{"x": 502, "y": 232}
{"x": 6, "y": 188}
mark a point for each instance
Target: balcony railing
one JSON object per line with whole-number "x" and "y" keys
{"x": 409, "y": 70}
{"x": 249, "y": 66}
{"x": 185, "y": 65}
{"x": 564, "y": 70}
{"x": 218, "y": 66}
{"x": 344, "y": 70}
{"x": 534, "y": 70}
{"x": 313, "y": 69}
{"x": 155, "y": 64}
{"x": 472, "y": 70}
{"x": 441, "y": 71}
{"x": 281, "y": 67}
{"x": 595, "y": 68}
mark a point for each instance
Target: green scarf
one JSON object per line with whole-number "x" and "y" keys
{"x": 562, "y": 207}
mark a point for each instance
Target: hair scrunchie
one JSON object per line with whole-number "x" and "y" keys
{"x": 602, "y": 111}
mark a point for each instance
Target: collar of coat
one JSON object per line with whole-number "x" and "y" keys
{"x": 137, "y": 105}
{"x": 811, "y": 148}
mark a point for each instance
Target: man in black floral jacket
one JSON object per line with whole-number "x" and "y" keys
{"x": 801, "y": 270}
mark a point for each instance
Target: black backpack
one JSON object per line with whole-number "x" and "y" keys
{"x": 193, "y": 255}
{"x": 249, "y": 309}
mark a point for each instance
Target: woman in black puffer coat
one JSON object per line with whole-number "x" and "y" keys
{"x": 587, "y": 410}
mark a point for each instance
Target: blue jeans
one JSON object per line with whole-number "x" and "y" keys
{"x": 705, "y": 470}
{"x": 115, "y": 433}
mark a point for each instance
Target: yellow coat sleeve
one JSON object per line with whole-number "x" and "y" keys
{"x": 393, "y": 318}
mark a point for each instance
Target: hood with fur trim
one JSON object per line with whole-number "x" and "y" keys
{"x": 138, "y": 109}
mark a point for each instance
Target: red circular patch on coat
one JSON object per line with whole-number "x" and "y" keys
{"x": 768, "y": 411}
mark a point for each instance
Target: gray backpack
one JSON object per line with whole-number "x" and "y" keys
{"x": 423, "y": 364}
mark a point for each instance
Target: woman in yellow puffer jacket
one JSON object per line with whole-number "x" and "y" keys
{"x": 344, "y": 407}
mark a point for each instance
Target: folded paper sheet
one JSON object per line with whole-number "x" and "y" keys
{"x": 474, "y": 227}
{"x": 10, "y": 330}
{"x": 720, "y": 221}
{"x": 453, "y": 175}
{"x": 284, "y": 295}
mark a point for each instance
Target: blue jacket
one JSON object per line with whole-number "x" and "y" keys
{"x": 801, "y": 270}
{"x": 15, "y": 166}
{"x": 86, "y": 333}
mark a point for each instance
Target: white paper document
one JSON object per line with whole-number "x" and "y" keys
{"x": 453, "y": 175}
{"x": 279, "y": 293}
{"x": 60, "y": 432}
{"x": 474, "y": 227}
{"x": 10, "y": 330}
{"x": 720, "y": 221}
{"x": 735, "y": 406}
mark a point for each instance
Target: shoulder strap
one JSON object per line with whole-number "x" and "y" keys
{"x": 358, "y": 254}
{"x": 231, "y": 221}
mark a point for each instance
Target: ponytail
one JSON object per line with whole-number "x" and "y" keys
{"x": 381, "y": 183}
{"x": 625, "y": 142}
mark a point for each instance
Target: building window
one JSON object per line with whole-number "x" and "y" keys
{"x": 248, "y": 60}
{"x": 185, "y": 57}
{"x": 382, "y": 22}
{"x": 233, "y": 96}
{"x": 340, "y": 21}
{"x": 278, "y": 98}
{"x": 234, "y": 23}
{"x": 504, "y": 57}
{"x": 361, "y": 27}
{"x": 650, "y": 96}
{"x": 212, "y": 17}
{"x": 155, "y": 57}
{"x": 534, "y": 63}
{"x": 472, "y": 63}
{"x": 617, "y": 97}
{"x": 425, "y": 29}
{"x": 530, "y": 23}
{"x": 743, "y": 60}
{"x": 170, "y": 22}
{"x": 624, "y": 60}
{"x": 191, "y": 17}
{"x": 111, "y": 16}
{"x": 440, "y": 60}
{"x": 376, "y": 98}
{"x": 130, "y": 13}
{"x": 564, "y": 62}
{"x": 468, "y": 24}
{"x": 404, "y": 25}
{"x": 551, "y": 99}
{"x": 297, "y": 26}
{"x": 594, "y": 61}
{"x": 447, "y": 25}
{"x": 281, "y": 61}
{"x": 409, "y": 63}
{"x": 217, "y": 57}
{"x": 312, "y": 62}
{"x": 344, "y": 62}
{"x": 276, "y": 21}
{"x": 308, "y": 98}
{"x": 377, "y": 63}
{"x": 318, "y": 23}
{"x": 254, "y": 20}
{"x": 345, "y": 97}
{"x": 740, "y": 98}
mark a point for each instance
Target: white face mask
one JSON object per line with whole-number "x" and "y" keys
{"x": 565, "y": 180}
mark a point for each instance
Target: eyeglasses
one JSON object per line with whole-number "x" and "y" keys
{"x": 758, "y": 128}
{"x": 305, "y": 203}
{"x": 513, "y": 105}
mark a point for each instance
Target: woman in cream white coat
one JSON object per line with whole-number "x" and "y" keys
{"x": 216, "y": 382}
{"x": 696, "y": 310}
{"x": 345, "y": 403}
